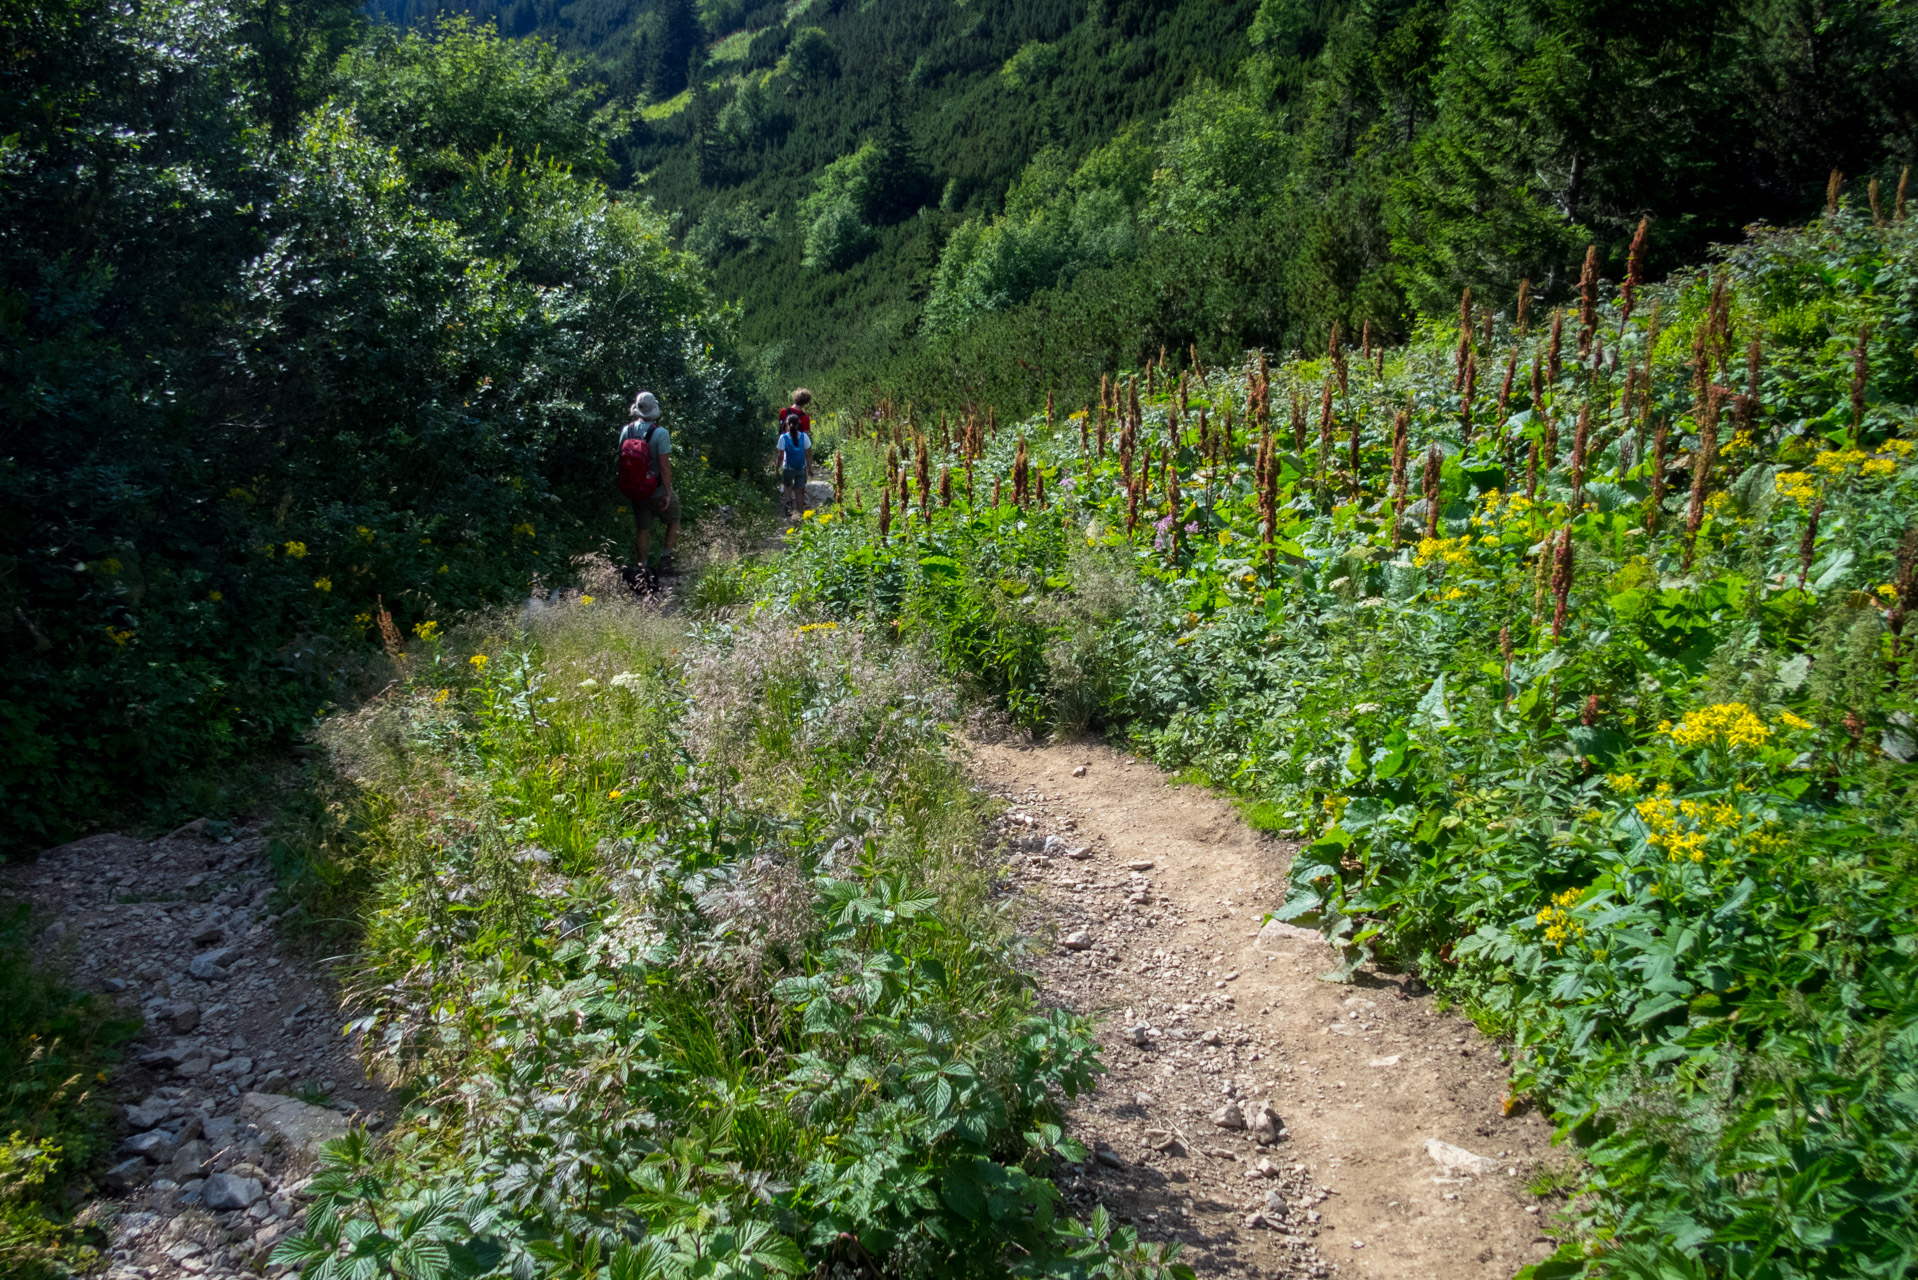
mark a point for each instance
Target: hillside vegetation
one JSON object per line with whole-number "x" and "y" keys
{"x": 993, "y": 198}
{"x": 1573, "y": 642}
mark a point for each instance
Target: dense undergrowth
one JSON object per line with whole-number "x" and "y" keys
{"x": 678, "y": 938}
{"x": 54, "y": 1044}
{"x": 1575, "y": 648}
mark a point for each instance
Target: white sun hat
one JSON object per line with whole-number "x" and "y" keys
{"x": 646, "y": 405}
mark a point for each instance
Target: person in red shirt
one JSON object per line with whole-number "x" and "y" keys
{"x": 794, "y": 449}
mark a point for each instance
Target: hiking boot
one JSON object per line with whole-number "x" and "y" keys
{"x": 667, "y": 566}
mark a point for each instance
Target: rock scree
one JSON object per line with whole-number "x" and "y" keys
{"x": 243, "y": 1070}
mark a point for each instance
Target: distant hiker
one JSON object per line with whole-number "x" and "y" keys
{"x": 646, "y": 478}
{"x": 794, "y": 449}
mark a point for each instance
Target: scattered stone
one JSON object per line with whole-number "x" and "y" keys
{"x": 1164, "y": 1140}
{"x": 148, "y": 1113}
{"x": 1109, "y": 1158}
{"x": 1267, "y": 1127}
{"x": 1229, "y": 1116}
{"x": 1210, "y": 1037}
{"x": 1080, "y": 854}
{"x": 210, "y": 966}
{"x": 1457, "y": 1161}
{"x": 230, "y": 1191}
{"x": 1390, "y": 1061}
{"x": 182, "y": 1015}
{"x": 114, "y": 984}
{"x": 1078, "y": 940}
{"x": 221, "y": 1131}
{"x": 126, "y": 1175}
{"x": 300, "y": 1125}
{"x": 1141, "y": 1035}
{"x": 209, "y": 935}
{"x": 191, "y": 1160}
{"x": 1139, "y": 864}
{"x": 1275, "y": 1203}
{"x": 235, "y": 1066}
{"x": 1079, "y": 772}
{"x": 194, "y": 1066}
{"x": 1254, "y": 1220}
{"x": 156, "y": 1145}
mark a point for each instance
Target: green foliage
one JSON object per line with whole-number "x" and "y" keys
{"x": 682, "y": 951}
{"x": 1631, "y": 781}
{"x": 54, "y": 1042}
{"x": 378, "y": 358}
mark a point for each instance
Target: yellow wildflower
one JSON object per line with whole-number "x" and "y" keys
{"x": 479, "y": 661}
{"x": 587, "y": 599}
{"x": 297, "y": 550}
{"x": 427, "y": 630}
{"x": 1622, "y": 782}
{"x": 322, "y": 584}
{"x": 1791, "y": 721}
{"x": 1887, "y": 592}
{"x": 215, "y": 596}
{"x": 366, "y": 534}
{"x": 1729, "y": 723}
{"x": 1799, "y": 487}
{"x": 614, "y": 794}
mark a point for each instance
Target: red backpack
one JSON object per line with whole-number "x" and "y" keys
{"x": 638, "y": 477}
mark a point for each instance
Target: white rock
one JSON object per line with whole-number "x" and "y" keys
{"x": 1267, "y": 1127}
{"x": 230, "y": 1191}
{"x": 300, "y": 1125}
{"x": 1229, "y": 1116}
{"x": 1078, "y": 941}
{"x": 1457, "y": 1161}
{"x": 211, "y": 966}
{"x": 1140, "y": 864}
{"x": 1079, "y": 772}
{"x": 819, "y": 493}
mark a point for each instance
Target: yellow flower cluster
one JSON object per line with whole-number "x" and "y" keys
{"x": 1799, "y": 487}
{"x": 1453, "y": 551}
{"x": 1791, "y": 721}
{"x": 426, "y": 630}
{"x": 1729, "y": 724}
{"x": 479, "y": 661}
{"x": 1901, "y": 448}
{"x": 297, "y": 550}
{"x": 817, "y": 626}
{"x": 1838, "y": 462}
{"x": 525, "y": 530}
{"x": 1624, "y": 783}
{"x": 1560, "y": 927}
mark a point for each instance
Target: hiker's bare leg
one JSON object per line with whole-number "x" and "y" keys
{"x": 672, "y": 537}
{"x": 643, "y": 541}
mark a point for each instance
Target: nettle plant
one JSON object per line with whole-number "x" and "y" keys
{"x": 676, "y": 946}
{"x": 1573, "y": 644}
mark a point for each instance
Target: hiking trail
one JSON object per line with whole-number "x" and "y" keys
{"x": 1159, "y": 938}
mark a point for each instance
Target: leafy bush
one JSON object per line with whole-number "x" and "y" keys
{"x": 261, "y": 387}
{"x": 1598, "y": 711}
{"x": 684, "y": 951}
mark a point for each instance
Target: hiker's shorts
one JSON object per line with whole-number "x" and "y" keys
{"x": 793, "y": 477}
{"x": 644, "y": 513}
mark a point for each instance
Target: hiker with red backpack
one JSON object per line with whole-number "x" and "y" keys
{"x": 794, "y": 449}
{"x": 646, "y": 479}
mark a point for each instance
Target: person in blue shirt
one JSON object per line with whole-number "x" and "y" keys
{"x": 794, "y": 450}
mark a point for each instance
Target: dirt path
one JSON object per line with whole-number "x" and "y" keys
{"x": 242, "y": 1070}
{"x": 1200, "y": 1006}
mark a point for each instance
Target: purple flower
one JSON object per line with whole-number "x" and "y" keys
{"x": 1192, "y": 527}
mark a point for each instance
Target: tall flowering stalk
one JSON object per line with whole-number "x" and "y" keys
{"x": 1561, "y": 581}
{"x": 1522, "y": 313}
{"x": 1580, "y": 436}
{"x": 1588, "y": 300}
{"x": 1431, "y": 486}
{"x": 1702, "y": 459}
{"x": 1337, "y": 353}
{"x": 1634, "y": 273}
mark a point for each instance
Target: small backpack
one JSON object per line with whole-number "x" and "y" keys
{"x": 638, "y": 477}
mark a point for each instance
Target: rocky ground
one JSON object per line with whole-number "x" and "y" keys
{"x": 243, "y": 1070}
{"x": 1274, "y": 1123}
